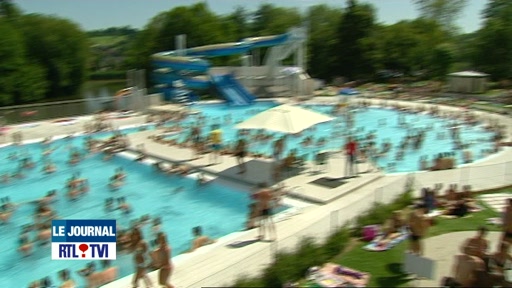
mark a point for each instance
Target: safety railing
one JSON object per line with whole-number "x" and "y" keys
{"x": 324, "y": 223}
{"x": 138, "y": 101}
{"x": 318, "y": 228}
{"x": 480, "y": 177}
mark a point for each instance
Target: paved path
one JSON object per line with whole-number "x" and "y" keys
{"x": 442, "y": 250}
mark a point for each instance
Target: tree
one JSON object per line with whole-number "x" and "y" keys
{"x": 8, "y": 9}
{"x": 60, "y": 48}
{"x": 20, "y": 81}
{"x": 442, "y": 59}
{"x": 323, "y": 21}
{"x": 270, "y": 20}
{"x": 496, "y": 8}
{"x": 239, "y": 19}
{"x": 11, "y": 53}
{"x": 493, "y": 44}
{"x": 352, "y": 51}
{"x": 444, "y": 12}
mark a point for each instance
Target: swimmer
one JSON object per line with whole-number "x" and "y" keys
{"x": 75, "y": 157}
{"x": 5, "y": 213}
{"x": 123, "y": 206}
{"x": 120, "y": 175}
{"x": 178, "y": 190}
{"x": 144, "y": 219}
{"x": 44, "y": 235}
{"x": 157, "y": 224}
{"x": 89, "y": 273}
{"x": 117, "y": 180}
{"x": 179, "y": 169}
{"x": 109, "y": 273}
{"x": 46, "y": 282}
{"x": 199, "y": 239}
{"x": 13, "y": 156}
{"x": 109, "y": 204}
{"x": 18, "y": 174}
{"x": 25, "y": 246}
{"x": 73, "y": 193}
{"x": 201, "y": 179}
{"x": 67, "y": 282}
{"x": 5, "y": 178}
{"x": 47, "y": 140}
{"x": 27, "y": 163}
{"x": 49, "y": 168}
{"x": 50, "y": 197}
{"x": 115, "y": 184}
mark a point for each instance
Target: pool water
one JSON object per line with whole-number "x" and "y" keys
{"x": 383, "y": 122}
{"x": 219, "y": 209}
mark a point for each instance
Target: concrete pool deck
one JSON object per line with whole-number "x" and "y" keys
{"x": 214, "y": 265}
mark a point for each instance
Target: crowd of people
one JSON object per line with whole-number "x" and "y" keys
{"x": 477, "y": 266}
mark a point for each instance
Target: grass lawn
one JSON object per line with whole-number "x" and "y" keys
{"x": 385, "y": 267}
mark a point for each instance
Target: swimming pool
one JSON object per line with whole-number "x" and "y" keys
{"x": 220, "y": 209}
{"x": 383, "y": 123}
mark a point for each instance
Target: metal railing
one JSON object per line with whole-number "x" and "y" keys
{"x": 481, "y": 177}
{"x": 138, "y": 101}
{"x": 318, "y": 229}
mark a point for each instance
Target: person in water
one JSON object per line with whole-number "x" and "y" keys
{"x": 199, "y": 239}
{"x": 117, "y": 180}
{"x": 67, "y": 282}
{"x": 109, "y": 273}
{"x": 94, "y": 278}
{"x": 25, "y": 246}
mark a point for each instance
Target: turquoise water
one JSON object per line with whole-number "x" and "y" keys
{"x": 383, "y": 123}
{"x": 219, "y": 209}
{"x": 208, "y": 206}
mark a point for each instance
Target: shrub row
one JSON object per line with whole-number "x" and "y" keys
{"x": 291, "y": 266}
{"x": 108, "y": 75}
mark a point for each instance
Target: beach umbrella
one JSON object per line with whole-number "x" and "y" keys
{"x": 285, "y": 118}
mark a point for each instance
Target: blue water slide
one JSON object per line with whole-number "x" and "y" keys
{"x": 171, "y": 66}
{"x": 233, "y": 92}
{"x": 219, "y": 50}
{"x": 266, "y": 41}
{"x": 199, "y": 83}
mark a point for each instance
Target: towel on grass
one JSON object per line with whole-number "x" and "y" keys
{"x": 495, "y": 221}
{"x": 375, "y": 246}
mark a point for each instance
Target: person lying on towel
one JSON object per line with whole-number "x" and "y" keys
{"x": 393, "y": 228}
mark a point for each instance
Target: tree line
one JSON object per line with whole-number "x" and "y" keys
{"x": 42, "y": 57}
{"x": 350, "y": 42}
{"x": 45, "y": 57}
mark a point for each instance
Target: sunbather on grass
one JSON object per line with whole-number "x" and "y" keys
{"x": 393, "y": 228}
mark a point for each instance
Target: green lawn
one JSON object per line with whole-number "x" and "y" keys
{"x": 385, "y": 267}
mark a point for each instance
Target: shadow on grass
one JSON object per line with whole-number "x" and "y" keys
{"x": 398, "y": 277}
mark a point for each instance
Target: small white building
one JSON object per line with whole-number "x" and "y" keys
{"x": 467, "y": 82}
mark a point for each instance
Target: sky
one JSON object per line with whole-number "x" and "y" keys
{"x": 100, "y": 14}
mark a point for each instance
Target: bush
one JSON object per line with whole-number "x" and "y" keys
{"x": 248, "y": 282}
{"x": 290, "y": 266}
{"x": 108, "y": 75}
{"x": 337, "y": 242}
{"x": 381, "y": 212}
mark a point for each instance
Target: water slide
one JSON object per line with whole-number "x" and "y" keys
{"x": 192, "y": 70}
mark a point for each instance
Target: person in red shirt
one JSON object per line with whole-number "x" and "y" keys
{"x": 351, "y": 152}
